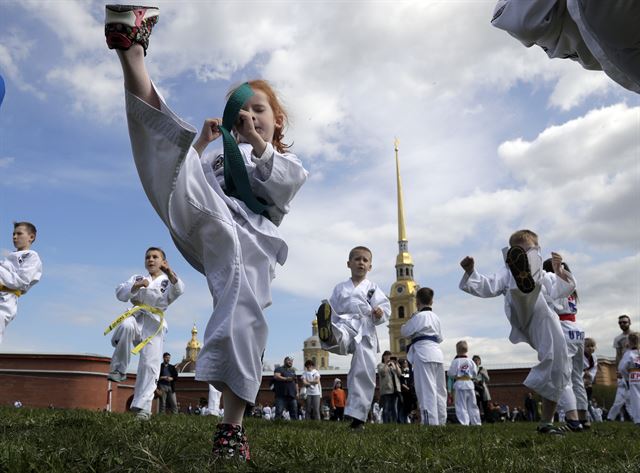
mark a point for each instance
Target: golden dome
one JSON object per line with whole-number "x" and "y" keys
{"x": 194, "y": 343}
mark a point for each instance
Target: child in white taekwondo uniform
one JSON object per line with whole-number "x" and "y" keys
{"x": 427, "y": 360}
{"x": 599, "y": 35}
{"x": 144, "y": 329}
{"x": 629, "y": 368}
{"x": 222, "y": 210}
{"x": 347, "y": 324}
{"x": 524, "y": 285}
{"x": 19, "y": 271}
{"x": 462, "y": 371}
{"x": 590, "y": 372}
{"x": 574, "y": 398}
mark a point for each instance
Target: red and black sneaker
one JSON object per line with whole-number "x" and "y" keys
{"x": 125, "y": 25}
{"x": 518, "y": 263}
{"x": 230, "y": 443}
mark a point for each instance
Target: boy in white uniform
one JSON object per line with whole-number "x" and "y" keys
{"x": 347, "y": 324}
{"x": 145, "y": 328}
{"x": 462, "y": 371}
{"x": 19, "y": 271}
{"x": 221, "y": 208}
{"x": 525, "y": 285}
{"x": 629, "y": 368}
{"x": 427, "y": 360}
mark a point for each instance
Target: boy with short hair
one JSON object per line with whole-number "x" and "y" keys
{"x": 525, "y": 285}
{"x": 426, "y": 358}
{"x": 462, "y": 371}
{"x": 347, "y": 324}
{"x": 19, "y": 271}
{"x": 144, "y": 327}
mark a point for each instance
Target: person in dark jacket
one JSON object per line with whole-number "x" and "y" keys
{"x": 167, "y": 385}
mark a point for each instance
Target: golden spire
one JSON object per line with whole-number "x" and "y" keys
{"x": 402, "y": 231}
{"x": 403, "y": 258}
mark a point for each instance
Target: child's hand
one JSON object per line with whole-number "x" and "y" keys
{"x": 210, "y": 132}
{"x": 138, "y": 284}
{"x": 247, "y": 131}
{"x": 467, "y": 264}
{"x": 556, "y": 263}
{"x": 164, "y": 267}
{"x": 377, "y": 313}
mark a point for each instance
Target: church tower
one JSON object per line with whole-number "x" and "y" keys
{"x": 313, "y": 351}
{"x": 188, "y": 363}
{"x": 403, "y": 290}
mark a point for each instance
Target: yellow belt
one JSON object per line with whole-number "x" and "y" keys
{"x": 463, "y": 378}
{"x": 130, "y": 312}
{"x": 15, "y": 292}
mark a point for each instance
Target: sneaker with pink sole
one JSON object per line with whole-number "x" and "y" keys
{"x": 125, "y": 25}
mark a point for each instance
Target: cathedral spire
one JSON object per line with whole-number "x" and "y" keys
{"x": 403, "y": 291}
{"x": 402, "y": 230}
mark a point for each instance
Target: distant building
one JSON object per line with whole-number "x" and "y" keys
{"x": 312, "y": 350}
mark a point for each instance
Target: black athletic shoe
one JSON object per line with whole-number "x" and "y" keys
{"x": 574, "y": 425}
{"x": 356, "y": 425}
{"x": 550, "y": 429}
{"x": 518, "y": 264}
{"x": 323, "y": 317}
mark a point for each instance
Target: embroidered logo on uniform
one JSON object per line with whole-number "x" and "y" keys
{"x": 23, "y": 257}
{"x": 370, "y": 294}
{"x": 218, "y": 162}
{"x": 139, "y": 278}
{"x": 163, "y": 285}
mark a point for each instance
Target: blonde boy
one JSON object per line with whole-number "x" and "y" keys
{"x": 463, "y": 370}
{"x": 347, "y": 325}
{"x": 19, "y": 271}
{"x": 524, "y": 285}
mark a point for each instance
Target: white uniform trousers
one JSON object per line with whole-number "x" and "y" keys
{"x": 544, "y": 333}
{"x": 574, "y": 395}
{"x": 8, "y": 310}
{"x": 213, "y": 405}
{"x": 343, "y": 334}
{"x": 126, "y": 336}
{"x": 431, "y": 391}
{"x": 467, "y": 410}
{"x": 361, "y": 380}
{"x": 622, "y": 398}
{"x": 634, "y": 400}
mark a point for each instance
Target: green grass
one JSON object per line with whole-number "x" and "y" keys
{"x": 82, "y": 441}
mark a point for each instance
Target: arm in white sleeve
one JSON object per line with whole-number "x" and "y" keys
{"x": 560, "y": 288}
{"x": 278, "y": 177}
{"x": 123, "y": 291}
{"x": 175, "y": 290}
{"x": 23, "y": 277}
{"x": 410, "y": 327}
{"x": 379, "y": 299}
{"x": 485, "y": 286}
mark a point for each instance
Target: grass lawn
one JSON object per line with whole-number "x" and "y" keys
{"x": 82, "y": 441}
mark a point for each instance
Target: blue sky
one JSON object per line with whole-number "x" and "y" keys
{"x": 493, "y": 137}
